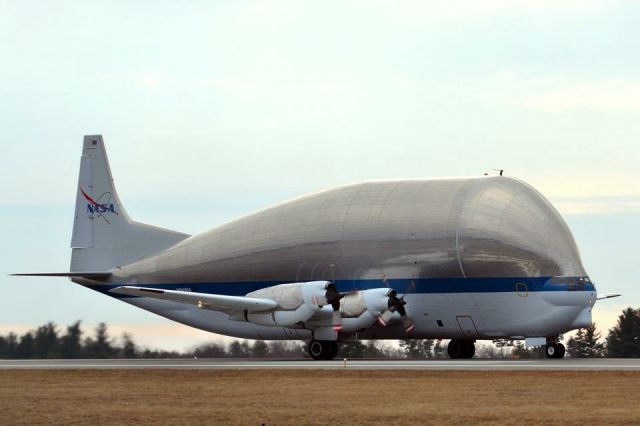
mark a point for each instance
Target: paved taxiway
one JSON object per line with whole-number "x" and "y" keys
{"x": 222, "y": 364}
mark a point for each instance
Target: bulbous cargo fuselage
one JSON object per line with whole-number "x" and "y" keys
{"x": 477, "y": 258}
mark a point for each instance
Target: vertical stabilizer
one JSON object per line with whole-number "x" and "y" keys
{"x": 103, "y": 234}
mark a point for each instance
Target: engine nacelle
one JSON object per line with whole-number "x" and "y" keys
{"x": 297, "y": 303}
{"x": 361, "y": 310}
{"x": 307, "y": 304}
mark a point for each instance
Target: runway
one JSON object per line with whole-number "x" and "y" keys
{"x": 248, "y": 364}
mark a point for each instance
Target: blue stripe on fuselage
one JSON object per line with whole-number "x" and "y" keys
{"x": 420, "y": 285}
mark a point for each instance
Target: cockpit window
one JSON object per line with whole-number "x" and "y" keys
{"x": 572, "y": 283}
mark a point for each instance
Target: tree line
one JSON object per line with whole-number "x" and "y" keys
{"x": 623, "y": 341}
{"x": 47, "y": 341}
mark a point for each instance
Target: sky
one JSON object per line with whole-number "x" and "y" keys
{"x": 211, "y": 110}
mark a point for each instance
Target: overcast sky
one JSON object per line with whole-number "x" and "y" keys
{"x": 211, "y": 110}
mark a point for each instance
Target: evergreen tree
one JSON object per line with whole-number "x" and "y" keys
{"x": 12, "y": 345}
{"x": 128, "y": 349}
{"x": 210, "y": 350}
{"x": 573, "y": 344}
{"x": 245, "y": 349}
{"x": 70, "y": 343}
{"x": 623, "y": 340}
{"x": 101, "y": 346}
{"x": 259, "y": 349}
{"x": 236, "y": 349}
{"x": 45, "y": 342}
{"x": 26, "y": 346}
{"x": 585, "y": 344}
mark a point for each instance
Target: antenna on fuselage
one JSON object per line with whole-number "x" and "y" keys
{"x": 497, "y": 170}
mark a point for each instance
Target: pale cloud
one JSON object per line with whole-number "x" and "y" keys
{"x": 554, "y": 185}
{"x": 555, "y": 93}
{"x": 256, "y": 86}
{"x": 579, "y": 206}
{"x": 467, "y": 10}
{"x": 605, "y": 312}
{"x": 170, "y": 336}
{"x": 578, "y": 195}
{"x": 602, "y": 96}
{"x": 151, "y": 82}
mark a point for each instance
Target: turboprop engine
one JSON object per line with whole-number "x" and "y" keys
{"x": 297, "y": 302}
{"x": 361, "y": 310}
{"x": 318, "y": 304}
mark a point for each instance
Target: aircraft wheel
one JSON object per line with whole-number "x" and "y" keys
{"x": 454, "y": 349}
{"x": 469, "y": 350}
{"x": 551, "y": 351}
{"x": 333, "y": 350}
{"x": 555, "y": 350}
{"x": 461, "y": 349}
{"x": 316, "y": 349}
{"x": 323, "y": 349}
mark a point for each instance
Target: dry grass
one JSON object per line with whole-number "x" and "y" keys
{"x": 277, "y": 397}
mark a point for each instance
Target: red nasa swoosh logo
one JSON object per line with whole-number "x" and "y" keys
{"x": 99, "y": 208}
{"x": 89, "y": 199}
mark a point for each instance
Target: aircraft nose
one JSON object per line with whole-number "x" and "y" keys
{"x": 507, "y": 228}
{"x": 583, "y": 319}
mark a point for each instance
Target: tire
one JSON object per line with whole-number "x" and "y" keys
{"x": 469, "y": 350}
{"x": 323, "y": 349}
{"x": 333, "y": 350}
{"x": 455, "y": 349}
{"x": 560, "y": 350}
{"x": 461, "y": 349}
{"x": 316, "y": 350}
{"x": 551, "y": 351}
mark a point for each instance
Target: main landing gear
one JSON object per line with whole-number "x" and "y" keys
{"x": 464, "y": 349}
{"x": 554, "y": 348}
{"x": 323, "y": 349}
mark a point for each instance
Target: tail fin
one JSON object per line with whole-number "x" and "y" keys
{"x": 103, "y": 234}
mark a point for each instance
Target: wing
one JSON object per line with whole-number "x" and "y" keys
{"x": 215, "y": 302}
{"x": 98, "y": 275}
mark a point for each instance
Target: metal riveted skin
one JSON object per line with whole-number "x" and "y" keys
{"x": 489, "y": 248}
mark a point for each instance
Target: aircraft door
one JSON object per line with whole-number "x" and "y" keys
{"x": 467, "y": 326}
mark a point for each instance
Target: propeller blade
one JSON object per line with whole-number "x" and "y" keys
{"x": 333, "y": 296}
{"x": 385, "y": 317}
{"x": 408, "y": 324}
{"x": 337, "y": 321}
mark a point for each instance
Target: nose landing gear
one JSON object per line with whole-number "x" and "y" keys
{"x": 554, "y": 348}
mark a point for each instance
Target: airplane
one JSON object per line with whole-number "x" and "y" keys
{"x": 464, "y": 259}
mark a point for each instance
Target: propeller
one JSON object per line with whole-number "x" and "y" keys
{"x": 396, "y": 304}
{"x": 333, "y": 297}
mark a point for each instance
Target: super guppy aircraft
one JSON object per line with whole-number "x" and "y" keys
{"x": 461, "y": 259}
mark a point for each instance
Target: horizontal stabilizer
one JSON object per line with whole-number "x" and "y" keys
{"x": 94, "y": 275}
{"x": 215, "y": 302}
{"x": 606, "y": 296}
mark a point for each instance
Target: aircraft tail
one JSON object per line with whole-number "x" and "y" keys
{"x": 103, "y": 234}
